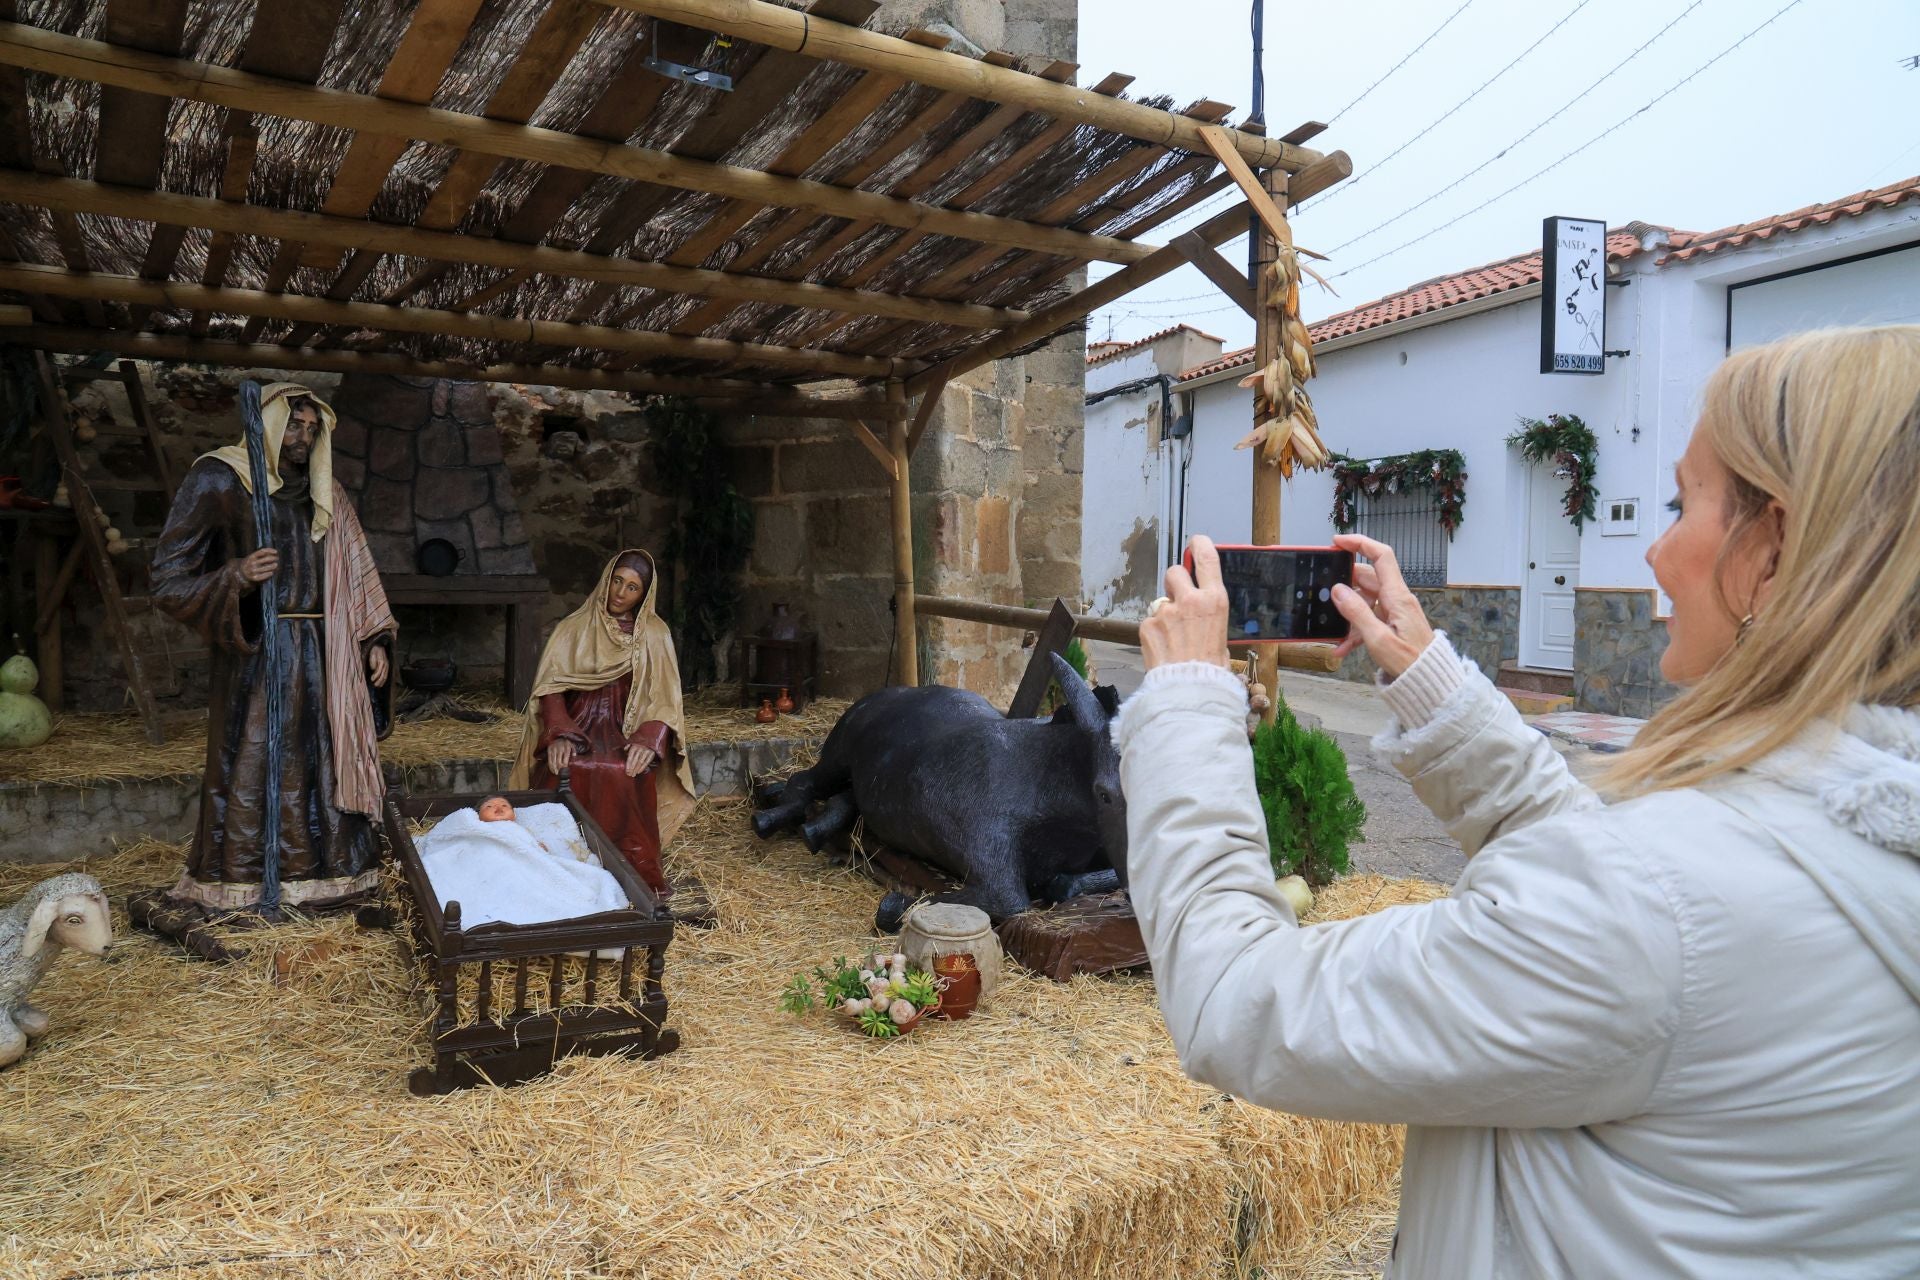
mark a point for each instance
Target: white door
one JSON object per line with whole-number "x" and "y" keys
{"x": 1553, "y": 571}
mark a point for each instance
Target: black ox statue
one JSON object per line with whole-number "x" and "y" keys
{"x": 1017, "y": 810}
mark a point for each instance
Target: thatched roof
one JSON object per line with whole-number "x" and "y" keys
{"x": 578, "y": 67}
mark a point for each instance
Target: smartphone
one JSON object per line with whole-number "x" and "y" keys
{"x": 1281, "y": 595}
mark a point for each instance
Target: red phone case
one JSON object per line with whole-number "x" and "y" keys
{"x": 1186, "y": 562}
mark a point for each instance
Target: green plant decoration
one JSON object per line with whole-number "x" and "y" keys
{"x": 709, "y": 537}
{"x": 1442, "y": 470}
{"x": 1311, "y": 810}
{"x": 1568, "y": 444}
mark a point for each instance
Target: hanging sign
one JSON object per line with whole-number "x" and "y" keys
{"x": 1573, "y": 296}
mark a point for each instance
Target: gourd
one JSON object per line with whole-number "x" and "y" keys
{"x": 24, "y": 719}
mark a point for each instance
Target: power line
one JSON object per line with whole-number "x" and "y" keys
{"x": 1396, "y": 66}
{"x": 1454, "y": 185}
{"x": 1613, "y": 128}
{"x": 1485, "y": 85}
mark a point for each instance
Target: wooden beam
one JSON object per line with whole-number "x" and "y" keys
{"x": 1268, "y": 338}
{"x": 783, "y": 28}
{"x": 879, "y": 450}
{"x": 906, "y": 635}
{"x": 1221, "y": 143}
{"x": 75, "y": 196}
{"x": 726, "y": 393}
{"x": 1307, "y": 132}
{"x": 1048, "y": 321}
{"x": 1054, "y": 636}
{"x": 1229, "y": 279}
{"x": 38, "y": 50}
{"x": 298, "y": 308}
{"x": 923, "y": 412}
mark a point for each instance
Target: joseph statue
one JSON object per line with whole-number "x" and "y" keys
{"x": 335, "y": 655}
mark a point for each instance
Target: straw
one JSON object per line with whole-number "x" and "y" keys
{"x": 89, "y": 750}
{"x": 210, "y": 1122}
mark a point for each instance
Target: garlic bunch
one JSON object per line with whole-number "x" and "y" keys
{"x": 1289, "y": 433}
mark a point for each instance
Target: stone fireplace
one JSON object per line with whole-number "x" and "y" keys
{"x": 423, "y": 461}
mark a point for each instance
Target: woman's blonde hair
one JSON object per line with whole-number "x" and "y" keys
{"x": 1827, "y": 424}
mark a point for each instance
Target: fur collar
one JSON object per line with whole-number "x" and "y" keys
{"x": 1865, "y": 773}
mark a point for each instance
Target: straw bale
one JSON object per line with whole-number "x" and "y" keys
{"x": 206, "y": 1120}
{"x": 88, "y": 749}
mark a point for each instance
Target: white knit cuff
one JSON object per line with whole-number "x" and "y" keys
{"x": 1192, "y": 673}
{"x": 1416, "y": 695}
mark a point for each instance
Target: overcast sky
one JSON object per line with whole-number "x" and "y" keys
{"x": 1817, "y": 105}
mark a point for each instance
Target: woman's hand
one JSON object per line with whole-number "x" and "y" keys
{"x": 639, "y": 760}
{"x": 559, "y": 756}
{"x": 1385, "y": 616}
{"x": 1190, "y": 623}
{"x": 377, "y": 666}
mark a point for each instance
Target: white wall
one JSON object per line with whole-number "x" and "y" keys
{"x": 1127, "y": 503}
{"x": 1461, "y": 383}
{"x": 1458, "y": 385}
{"x": 1883, "y": 289}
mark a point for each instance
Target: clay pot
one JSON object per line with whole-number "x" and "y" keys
{"x": 766, "y": 714}
{"x": 784, "y": 703}
{"x": 959, "y": 978}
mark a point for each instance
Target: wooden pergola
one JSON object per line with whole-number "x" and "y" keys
{"x": 513, "y": 191}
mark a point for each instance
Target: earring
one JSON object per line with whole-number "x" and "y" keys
{"x": 1746, "y": 625}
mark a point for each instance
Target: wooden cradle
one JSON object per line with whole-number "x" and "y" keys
{"x": 509, "y": 1000}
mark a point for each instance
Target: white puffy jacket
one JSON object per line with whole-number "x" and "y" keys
{"x": 1678, "y": 1036}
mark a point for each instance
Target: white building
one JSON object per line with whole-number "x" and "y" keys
{"x": 1452, "y": 363}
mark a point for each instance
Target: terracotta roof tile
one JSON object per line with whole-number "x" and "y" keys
{"x": 1516, "y": 272}
{"x": 1687, "y": 245}
{"x": 1101, "y": 352}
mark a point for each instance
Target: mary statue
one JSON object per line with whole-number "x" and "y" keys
{"x": 606, "y": 711}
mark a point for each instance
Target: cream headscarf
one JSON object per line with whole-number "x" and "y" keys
{"x": 275, "y": 409}
{"x": 588, "y": 650}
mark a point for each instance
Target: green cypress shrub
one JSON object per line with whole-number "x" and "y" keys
{"x": 1311, "y": 810}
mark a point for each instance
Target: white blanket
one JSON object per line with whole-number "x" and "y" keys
{"x": 532, "y": 870}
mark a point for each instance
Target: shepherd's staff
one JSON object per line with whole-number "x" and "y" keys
{"x": 269, "y": 650}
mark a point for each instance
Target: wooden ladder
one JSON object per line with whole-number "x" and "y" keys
{"x": 144, "y": 652}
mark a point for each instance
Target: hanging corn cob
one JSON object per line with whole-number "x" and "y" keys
{"x": 1288, "y": 434}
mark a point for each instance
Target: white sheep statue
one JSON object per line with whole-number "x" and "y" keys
{"x": 61, "y": 911}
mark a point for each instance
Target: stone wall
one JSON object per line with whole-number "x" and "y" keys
{"x": 1618, "y": 642}
{"x": 1482, "y": 622}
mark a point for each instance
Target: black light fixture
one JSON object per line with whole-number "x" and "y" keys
{"x": 677, "y": 50}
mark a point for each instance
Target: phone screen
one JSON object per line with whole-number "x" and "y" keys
{"x": 1279, "y": 594}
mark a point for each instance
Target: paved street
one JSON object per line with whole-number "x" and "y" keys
{"x": 1401, "y": 838}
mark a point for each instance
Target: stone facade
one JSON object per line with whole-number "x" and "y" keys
{"x": 1482, "y": 622}
{"x": 422, "y": 459}
{"x": 1618, "y": 642}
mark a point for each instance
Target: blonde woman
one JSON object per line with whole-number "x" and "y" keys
{"x": 1676, "y": 1033}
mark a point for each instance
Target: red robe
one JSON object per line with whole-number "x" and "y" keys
{"x": 624, "y": 807}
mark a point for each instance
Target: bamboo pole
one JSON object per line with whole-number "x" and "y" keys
{"x": 906, "y": 636}
{"x": 1295, "y": 657}
{"x": 1266, "y": 475}
{"x": 71, "y": 195}
{"x": 816, "y": 37}
{"x": 739, "y": 396}
{"x": 1050, "y": 320}
{"x": 61, "y": 283}
{"x": 37, "y": 50}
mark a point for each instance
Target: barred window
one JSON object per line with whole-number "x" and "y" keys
{"x": 1409, "y": 522}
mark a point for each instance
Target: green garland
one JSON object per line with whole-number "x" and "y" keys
{"x": 1569, "y": 445}
{"x": 1442, "y": 470}
{"x": 711, "y": 535}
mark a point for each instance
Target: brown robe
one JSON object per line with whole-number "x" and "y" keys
{"x": 327, "y": 855}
